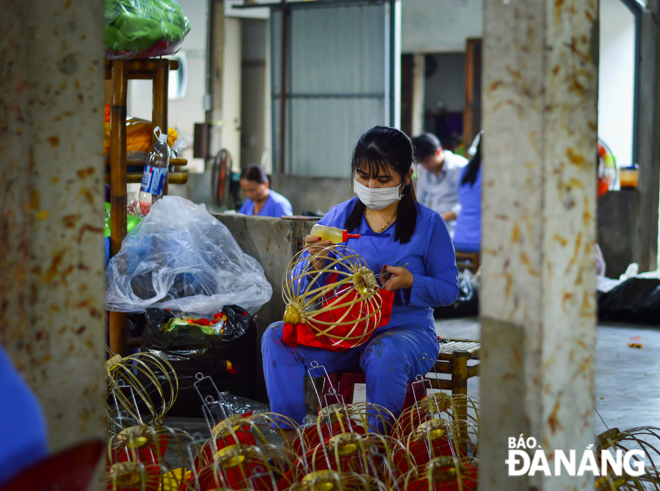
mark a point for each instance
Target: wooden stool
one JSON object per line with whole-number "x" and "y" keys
{"x": 344, "y": 382}
{"x": 452, "y": 359}
{"x": 468, "y": 260}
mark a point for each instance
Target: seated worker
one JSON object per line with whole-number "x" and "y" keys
{"x": 437, "y": 181}
{"x": 23, "y": 434}
{"x": 411, "y": 245}
{"x": 261, "y": 200}
{"x": 467, "y": 234}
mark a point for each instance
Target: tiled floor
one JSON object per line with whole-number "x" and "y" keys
{"x": 627, "y": 379}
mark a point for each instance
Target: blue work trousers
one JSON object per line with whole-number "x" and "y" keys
{"x": 390, "y": 360}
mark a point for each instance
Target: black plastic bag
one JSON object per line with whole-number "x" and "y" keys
{"x": 636, "y": 300}
{"x": 467, "y": 302}
{"x": 228, "y": 358}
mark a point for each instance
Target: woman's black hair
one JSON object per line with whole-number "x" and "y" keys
{"x": 378, "y": 150}
{"x": 473, "y": 166}
{"x": 254, "y": 173}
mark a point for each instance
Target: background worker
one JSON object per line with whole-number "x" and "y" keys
{"x": 261, "y": 200}
{"x": 467, "y": 234}
{"x": 438, "y": 177}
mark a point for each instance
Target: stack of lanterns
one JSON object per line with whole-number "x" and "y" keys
{"x": 427, "y": 449}
{"x": 432, "y": 445}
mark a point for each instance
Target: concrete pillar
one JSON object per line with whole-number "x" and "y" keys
{"x": 645, "y": 222}
{"x": 226, "y": 68}
{"x": 52, "y": 279}
{"x": 216, "y": 66}
{"x": 538, "y": 213}
{"x": 231, "y": 90}
{"x": 419, "y": 77}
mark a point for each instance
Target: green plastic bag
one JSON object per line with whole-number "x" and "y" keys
{"x": 143, "y": 28}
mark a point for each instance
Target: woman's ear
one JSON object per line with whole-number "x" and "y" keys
{"x": 408, "y": 178}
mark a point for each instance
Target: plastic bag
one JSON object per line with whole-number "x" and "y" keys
{"x": 605, "y": 285}
{"x": 467, "y": 302}
{"x": 180, "y": 144}
{"x": 180, "y": 257}
{"x": 635, "y": 300}
{"x": 143, "y": 28}
{"x": 227, "y": 358}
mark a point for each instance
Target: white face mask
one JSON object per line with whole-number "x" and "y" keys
{"x": 377, "y": 198}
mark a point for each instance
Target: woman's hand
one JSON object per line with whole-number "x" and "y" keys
{"x": 395, "y": 278}
{"x": 314, "y": 245}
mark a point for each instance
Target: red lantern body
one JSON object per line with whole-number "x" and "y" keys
{"x": 237, "y": 467}
{"x": 133, "y": 476}
{"x": 318, "y": 335}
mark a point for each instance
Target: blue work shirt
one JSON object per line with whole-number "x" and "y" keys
{"x": 467, "y": 234}
{"x": 23, "y": 433}
{"x": 276, "y": 206}
{"x": 429, "y": 256}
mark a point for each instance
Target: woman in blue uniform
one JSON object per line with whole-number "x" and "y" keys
{"x": 410, "y": 244}
{"x": 467, "y": 234}
{"x": 261, "y": 200}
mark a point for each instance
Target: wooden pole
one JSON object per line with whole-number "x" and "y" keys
{"x": 160, "y": 89}
{"x": 117, "y": 320}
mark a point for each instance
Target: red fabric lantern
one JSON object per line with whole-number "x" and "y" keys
{"x": 314, "y": 435}
{"x": 138, "y": 444}
{"x": 133, "y": 476}
{"x": 316, "y": 334}
{"x": 228, "y": 432}
{"x": 446, "y": 477}
{"x": 237, "y": 467}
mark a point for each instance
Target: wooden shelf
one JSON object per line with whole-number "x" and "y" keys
{"x": 138, "y": 69}
{"x": 119, "y": 72}
{"x": 140, "y": 162}
{"x": 135, "y": 177}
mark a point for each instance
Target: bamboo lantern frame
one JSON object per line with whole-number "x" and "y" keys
{"x": 246, "y": 464}
{"x": 122, "y": 374}
{"x": 304, "y": 291}
{"x": 371, "y": 455}
{"x": 440, "y": 412}
{"x": 439, "y": 473}
{"x": 634, "y": 438}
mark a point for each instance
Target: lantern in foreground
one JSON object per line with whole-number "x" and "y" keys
{"x": 333, "y": 300}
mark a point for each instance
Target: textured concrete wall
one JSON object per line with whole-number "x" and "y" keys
{"x": 51, "y": 213}
{"x": 645, "y": 223}
{"x": 272, "y": 242}
{"x": 305, "y": 193}
{"x": 314, "y": 193}
{"x": 538, "y": 280}
{"x": 432, "y": 26}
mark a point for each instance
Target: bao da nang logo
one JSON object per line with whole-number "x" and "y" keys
{"x": 527, "y": 458}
